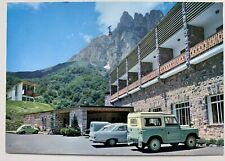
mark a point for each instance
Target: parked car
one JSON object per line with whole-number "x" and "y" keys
{"x": 152, "y": 129}
{"x": 95, "y": 126}
{"x": 27, "y": 129}
{"x": 111, "y": 134}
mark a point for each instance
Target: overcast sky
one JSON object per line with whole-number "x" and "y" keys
{"x": 41, "y": 35}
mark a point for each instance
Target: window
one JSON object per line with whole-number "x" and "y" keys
{"x": 152, "y": 122}
{"x": 182, "y": 113}
{"x": 170, "y": 121}
{"x": 133, "y": 122}
{"x": 216, "y": 109}
{"x": 122, "y": 128}
{"x": 16, "y": 91}
{"x": 155, "y": 110}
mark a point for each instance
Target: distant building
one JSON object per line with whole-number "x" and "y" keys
{"x": 178, "y": 68}
{"x": 23, "y": 91}
{"x": 59, "y": 118}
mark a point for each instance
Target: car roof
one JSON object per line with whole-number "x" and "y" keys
{"x": 118, "y": 124}
{"x": 99, "y": 122}
{"x": 26, "y": 125}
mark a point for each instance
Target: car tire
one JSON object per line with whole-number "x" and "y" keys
{"x": 22, "y": 132}
{"x": 36, "y": 132}
{"x": 154, "y": 145}
{"x": 111, "y": 142}
{"x": 191, "y": 142}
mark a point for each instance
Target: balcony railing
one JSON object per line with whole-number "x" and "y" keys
{"x": 29, "y": 93}
{"x": 134, "y": 85}
{"x": 123, "y": 91}
{"x": 114, "y": 96}
{"x": 194, "y": 51}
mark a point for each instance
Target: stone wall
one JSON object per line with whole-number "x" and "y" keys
{"x": 61, "y": 120}
{"x": 37, "y": 119}
{"x": 192, "y": 85}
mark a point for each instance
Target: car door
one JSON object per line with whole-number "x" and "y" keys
{"x": 29, "y": 129}
{"x": 172, "y": 130}
{"x": 120, "y": 133}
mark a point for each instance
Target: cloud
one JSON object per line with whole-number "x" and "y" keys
{"x": 34, "y": 5}
{"x": 87, "y": 38}
{"x": 110, "y": 12}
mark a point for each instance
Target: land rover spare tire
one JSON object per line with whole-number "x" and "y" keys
{"x": 190, "y": 142}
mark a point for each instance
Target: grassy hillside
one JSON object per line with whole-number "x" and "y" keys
{"x": 74, "y": 84}
{"x": 16, "y": 109}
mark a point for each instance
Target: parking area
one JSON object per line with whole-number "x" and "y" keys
{"x": 58, "y": 144}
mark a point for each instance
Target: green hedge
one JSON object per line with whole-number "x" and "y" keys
{"x": 12, "y": 125}
{"x": 70, "y": 131}
{"x": 219, "y": 142}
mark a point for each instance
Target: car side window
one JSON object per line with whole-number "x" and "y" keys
{"x": 152, "y": 122}
{"x": 122, "y": 128}
{"x": 170, "y": 121}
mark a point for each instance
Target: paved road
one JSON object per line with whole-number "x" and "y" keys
{"x": 57, "y": 144}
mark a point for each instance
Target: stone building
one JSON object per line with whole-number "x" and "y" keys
{"x": 57, "y": 119}
{"x": 178, "y": 68}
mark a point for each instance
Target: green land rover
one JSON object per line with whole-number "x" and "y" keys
{"x": 152, "y": 129}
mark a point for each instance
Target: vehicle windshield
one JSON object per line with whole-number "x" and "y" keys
{"x": 103, "y": 128}
{"x": 109, "y": 128}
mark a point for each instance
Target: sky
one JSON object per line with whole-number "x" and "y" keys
{"x": 41, "y": 35}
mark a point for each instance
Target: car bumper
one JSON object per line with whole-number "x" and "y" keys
{"x": 132, "y": 141}
{"x": 94, "y": 140}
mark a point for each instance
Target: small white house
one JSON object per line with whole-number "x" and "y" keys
{"x": 23, "y": 91}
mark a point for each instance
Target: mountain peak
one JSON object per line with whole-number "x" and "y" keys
{"x": 129, "y": 31}
{"x": 126, "y": 20}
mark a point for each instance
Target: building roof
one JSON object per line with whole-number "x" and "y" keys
{"x": 90, "y": 106}
{"x": 139, "y": 114}
{"x": 28, "y": 83}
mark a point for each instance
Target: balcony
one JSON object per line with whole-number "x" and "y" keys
{"x": 175, "y": 63}
{"x": 29, "y": 93}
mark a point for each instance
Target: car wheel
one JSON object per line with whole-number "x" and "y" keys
{"x": 190, "y": 142}
{"x": 36, "y": 132}
{"x": 22, "y": 132}
{"x": 154, "y": 145}
{"x": 111, "y": 142}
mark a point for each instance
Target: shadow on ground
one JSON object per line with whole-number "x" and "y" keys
{"x": 105, "y": 146}
{"x": 167, "y": 149}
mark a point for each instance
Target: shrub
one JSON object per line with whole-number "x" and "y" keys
{"x": 70, "y": 131}
{"x": 220, "y": 142}
{"x": 201, "y": 141}
{"x": 63, "y": 131}
{"x": 12, "y": 125}
{"x": 212, "y": 141}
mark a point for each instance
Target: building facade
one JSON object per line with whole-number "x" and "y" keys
{"x": 57, "y": 119}
{"x": 23, "y": 91}
{"x": 178, "y": 68}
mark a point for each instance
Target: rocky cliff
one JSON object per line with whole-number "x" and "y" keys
{"x": 107, "y": 50}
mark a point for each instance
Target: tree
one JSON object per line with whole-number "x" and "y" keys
{"x": 75, "y": 122}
